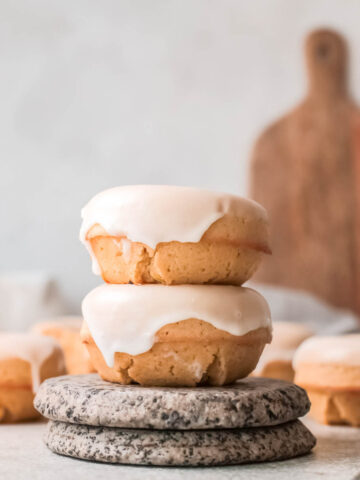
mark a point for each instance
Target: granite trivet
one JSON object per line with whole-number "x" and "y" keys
{"x": 181, "y": 448}
{"x": 252, "y": 402}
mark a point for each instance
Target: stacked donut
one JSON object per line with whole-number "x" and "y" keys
{"x": 66, "y": 331}
{"x": 26, "y": 360}
{"x": 172, "y": 311}
{"x": 329, "y": 369}
{"x": 276, "y": 361}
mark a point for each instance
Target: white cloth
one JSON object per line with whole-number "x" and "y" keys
{"x": 26, "y": 297}
{"x": 298, "y": 306}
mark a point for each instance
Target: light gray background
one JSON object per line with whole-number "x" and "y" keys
{"x": 95, "y": 94}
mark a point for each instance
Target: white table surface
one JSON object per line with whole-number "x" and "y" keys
{"x": 23, "y": 455}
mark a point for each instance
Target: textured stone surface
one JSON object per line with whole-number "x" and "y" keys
{"x": 22, "y": 450}
{"x": 185, "y": 448}
{"x": 252, "y": 402}
{"x": 335, "y": 457}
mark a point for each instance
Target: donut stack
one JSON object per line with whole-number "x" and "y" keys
{"x": 172, "y": 311}
{"x": 276, "y": 361}
{"x": 171, "y": 319}
{"x": 66, "y": 330}
{"x": 329, "y": 369}
{"x": 26, "y": 360}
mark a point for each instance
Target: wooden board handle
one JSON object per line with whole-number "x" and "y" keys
{"x": 326, "y": 59}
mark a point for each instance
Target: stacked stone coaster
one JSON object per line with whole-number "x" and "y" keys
{"x": 253, "y": 420}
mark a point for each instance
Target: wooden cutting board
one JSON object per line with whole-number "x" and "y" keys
{"x": 305, "y": 170}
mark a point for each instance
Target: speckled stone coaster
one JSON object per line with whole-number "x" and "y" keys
{"x": 181, "y": 448}
{"x": 252, "y": 402}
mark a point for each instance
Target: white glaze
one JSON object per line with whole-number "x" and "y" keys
{"x": 31, "y": 348}
{"x": 151, "y": 214}
{"x": 287, "y": 336}
{"x": 342, "y": 349}
{"x": 125, "y": 318}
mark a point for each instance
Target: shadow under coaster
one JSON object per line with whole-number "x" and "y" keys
{"x": 253, "y": 420}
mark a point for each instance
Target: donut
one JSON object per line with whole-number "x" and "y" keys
{"x": 329, "y": 369}
{"x": 173, "y": 235}
{"x": 66, "y": 330}
{"x": 26, "y": 359}
{"x": 182, "y": 335}
{"x": 276, "y": 360}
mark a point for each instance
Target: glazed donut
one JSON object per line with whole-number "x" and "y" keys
{"x": 329, "y": 369}
{"x": 276, "y": 360}
{"x": 174, "y": 235}
{"x": 66, "y": 330}
{"x": 26, "y": 359}
{"x": 183, "y": 335}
